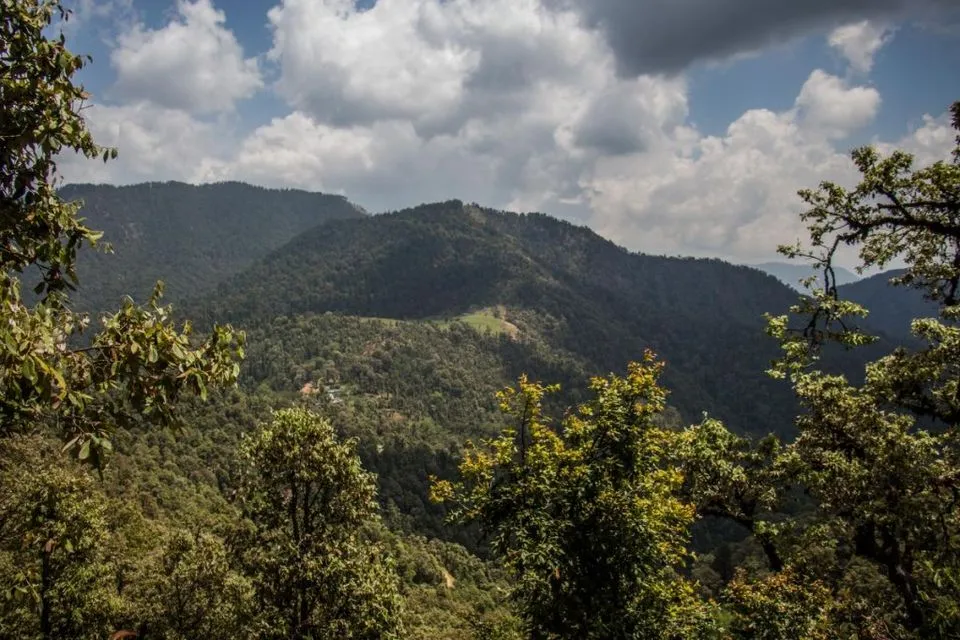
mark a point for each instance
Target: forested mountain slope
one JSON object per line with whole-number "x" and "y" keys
{"x": 557, "y": 283}
{"x": 189, "y": 236}
{"x": 891, "y": 308}
{"x": 411, "y": 392}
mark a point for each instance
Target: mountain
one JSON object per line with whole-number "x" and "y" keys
{"x": 558, "y": 285}
{"x": 791, "y": 274}
{"x": 192, "y": 237}
{"x": 400, "y": 327}
{"x": 891, "y": 308}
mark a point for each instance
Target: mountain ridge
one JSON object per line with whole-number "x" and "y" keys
{"x": 576, "y": 294}
{"x": 891, "y": 308}
{"x": 561, "y": 283}
{"x": 189, "y": 236}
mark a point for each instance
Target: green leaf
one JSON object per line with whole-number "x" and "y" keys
{"x": 29, "y": 370}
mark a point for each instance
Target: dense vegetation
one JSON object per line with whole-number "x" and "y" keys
{"x": 560, "y": 285}
{"x": 191, "y": 237}
{"x": 143, "y": 493}
{"x": 590, "y": 512}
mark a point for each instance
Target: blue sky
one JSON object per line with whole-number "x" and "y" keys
{"x": 680, "y": 127}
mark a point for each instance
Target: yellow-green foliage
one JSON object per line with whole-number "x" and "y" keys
{"x": 584, "y": 514}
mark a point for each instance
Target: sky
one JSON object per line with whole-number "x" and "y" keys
{"x": 673, "y": 127}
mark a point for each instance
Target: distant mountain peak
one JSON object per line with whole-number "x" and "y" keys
{"x": 791, "y": 273}
{"x": 189, "y": 236}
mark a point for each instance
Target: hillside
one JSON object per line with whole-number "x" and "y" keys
{"x": 791, "y": 274}
{"x": 192, "y": 237}
{"x": 411, "y": 392}
{"x": 559, "y": 284}
{"x": 891, "y": 308}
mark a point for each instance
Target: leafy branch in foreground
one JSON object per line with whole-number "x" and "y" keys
{"x": 896, "y": 212}
{"x": 881, "y": 460}
{"x": 140, "y": 362}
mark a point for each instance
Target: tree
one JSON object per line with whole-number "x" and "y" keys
{"x": 584, "y": 514}
{"x": 309, "y": 499}
{"x": 880, "y": 460}
{"x": 140, "y": 362}
{"x": 57, "y": 574}
{"x": 191, "y": 590}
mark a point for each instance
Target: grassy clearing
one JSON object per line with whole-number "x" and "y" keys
{"x": 489, "y": 320}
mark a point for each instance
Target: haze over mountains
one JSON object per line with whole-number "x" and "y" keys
{"x": 891, "y": 308}
{"x": 792, "y": 273}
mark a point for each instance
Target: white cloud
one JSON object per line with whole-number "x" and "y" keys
{"x": 388, "y": 165}
{"x": 859, "y": 43}
{"x": 828, "y": 105}
{"x": 344, "y": 65}
{"x": 506, "y": 102}
{"x": 193, "y": 63}
{"x": 732, "y": 195}
{"x": 503, "y": 102}
{"x": 437, "y": 64}
{"x": 933, "y": 140}
{"x": 154, "y": 143}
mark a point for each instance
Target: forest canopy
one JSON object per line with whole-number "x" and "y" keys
{"x": 145, "y": 493}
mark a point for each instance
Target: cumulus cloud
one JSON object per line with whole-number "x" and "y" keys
{"x": 732, "y": 195}
{"x": 388, "y": 165}
{"x": 652, "y": 36}
{"x": 832, "y": 108}
{"x": 507, "y": 100}
{"x": 344, "y": 65}
{"x": 517, "y": 104}
{"x": 859, "y": 43}
{"x": 629, "y": 116}
{"x": 193, "y": 63}
{"x": 154, "y": 143}
{"x": 437, "y": 64}
{"x": 931, "y": 141}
